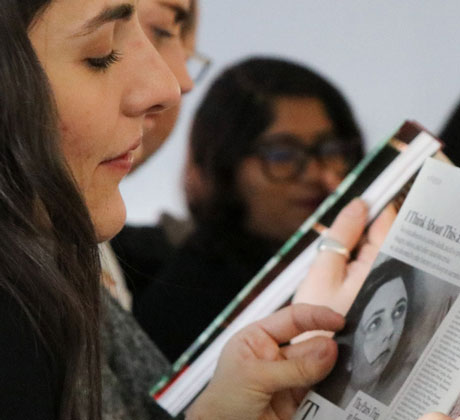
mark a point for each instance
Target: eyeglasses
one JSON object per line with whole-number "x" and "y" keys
{"x": 198, "y": 65}
{"x": 284, "y": 157}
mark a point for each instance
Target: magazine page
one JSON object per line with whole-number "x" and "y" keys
{"x": 399, "y": 354}
{"x": 384, "y": 173}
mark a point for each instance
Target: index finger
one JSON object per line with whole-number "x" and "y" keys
{"x": 295, "y": 319}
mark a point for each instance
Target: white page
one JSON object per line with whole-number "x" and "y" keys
{"x": 419, "y": 367}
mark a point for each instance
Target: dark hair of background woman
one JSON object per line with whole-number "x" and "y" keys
{"x": 385, "y": 272}
{"x": 237, "y": 109}
{"x": 48, "y": 252}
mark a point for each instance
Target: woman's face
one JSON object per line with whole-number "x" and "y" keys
{"x": 378, "y": 332}
{"x": 110, "y": 86}
{"x": 277, "y": 208}
{"x": 162, "y": 22}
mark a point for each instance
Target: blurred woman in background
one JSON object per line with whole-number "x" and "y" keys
{"x": 269, "y": 142}
{"x": 141, "y": 251}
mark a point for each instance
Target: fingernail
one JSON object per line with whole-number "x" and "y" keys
{"x": 321, "y": 350}
{"x": 340, "y": 320}
{"x": 355, "y": 208}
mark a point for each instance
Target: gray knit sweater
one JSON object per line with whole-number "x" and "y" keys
{"x": 131, "y": 363}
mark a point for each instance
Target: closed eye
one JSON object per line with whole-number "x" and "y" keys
{"x": 104, "y": 62}
{"x": 162, "y": 33}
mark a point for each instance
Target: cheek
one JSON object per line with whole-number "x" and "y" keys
{"x": 361, "y": 369}
{"x": 256, "y": 189}
{"x": 399, "y": 328}
{"x": 84, "y": 151}
{"x": 85, "y": 116}
{"x": 76, "y": 150}
{"x": 85, "y": 140}
{"x": 338, "y": 165}
{"x": 372, "y": 348}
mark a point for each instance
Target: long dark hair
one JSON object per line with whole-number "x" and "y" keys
{"x": 49, "y": 265}
{"x": 236, "y": 110}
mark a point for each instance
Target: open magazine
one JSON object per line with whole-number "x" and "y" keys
{"x": 378, "y": 178}
{"x": 399, "y": 354}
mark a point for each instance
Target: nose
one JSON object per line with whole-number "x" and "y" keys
{"x": 317, "y": 171}
{"x": 387, "y": 330}
{"x": 182, "y": 74}
{"x": 176, "y": 59}
{"x": 312, "y": 172}
{"x": 152, "y": 86}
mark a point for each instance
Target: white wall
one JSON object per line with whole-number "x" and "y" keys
{"x": 393, "y": 59}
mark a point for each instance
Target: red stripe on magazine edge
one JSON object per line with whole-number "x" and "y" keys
{"x": 158, "y": 395}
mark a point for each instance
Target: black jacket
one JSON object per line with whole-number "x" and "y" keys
{"x": 198, "y": 282}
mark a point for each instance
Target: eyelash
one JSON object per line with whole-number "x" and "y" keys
{"x": 161, "y": 34}
{"x": 103, "y": 63}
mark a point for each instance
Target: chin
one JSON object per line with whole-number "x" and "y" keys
{"x": 109, "y": 219}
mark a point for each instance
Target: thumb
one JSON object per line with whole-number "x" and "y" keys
{"x": 306, "y": 364}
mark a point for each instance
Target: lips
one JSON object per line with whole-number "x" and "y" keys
{"x": 123, "y": 161}
{"x": 382, "y": 357}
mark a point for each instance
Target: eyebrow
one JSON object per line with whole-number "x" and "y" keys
{"x": 379, "y": 312}
{"x": 403, "y": 299}
{"x": 107, "y": 15}
{"x": 181, "y": 14}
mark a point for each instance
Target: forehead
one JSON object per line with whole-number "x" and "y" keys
{"x": 184, "y": 4}
{"x": 305, "y": 117}
{"x": 70, "y": 16}
{"x": 386, "y": 297}
{"x": 168, "y": 4}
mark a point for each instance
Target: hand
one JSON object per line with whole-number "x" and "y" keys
{"x": 436, "y": 416}
{"x": 331, "y": 280}
{"x": 257, "y": 379}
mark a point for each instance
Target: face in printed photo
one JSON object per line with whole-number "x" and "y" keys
{"x": 378, "y": 332}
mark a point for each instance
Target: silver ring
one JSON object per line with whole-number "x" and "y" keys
{"x": 329, "y": 244}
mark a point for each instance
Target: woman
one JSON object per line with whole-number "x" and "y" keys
{"x": 374, "y": 326}
{"x": 269, "y": 142}
{"x": 130, "y": 361}
{"x": 80, "y": 83}
{"x": 171, "y": 27}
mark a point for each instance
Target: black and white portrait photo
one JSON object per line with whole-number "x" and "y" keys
{"x": 396, "y": 312}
